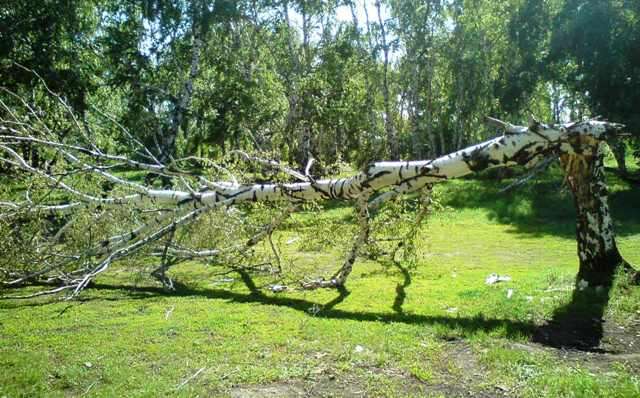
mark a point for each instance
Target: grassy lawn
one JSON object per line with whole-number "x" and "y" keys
{"x": 433, "y": 329}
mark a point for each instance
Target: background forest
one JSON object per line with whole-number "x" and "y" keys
{"x": 337, "y": 80}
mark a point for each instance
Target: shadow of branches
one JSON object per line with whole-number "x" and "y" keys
{"x": 542, "y": 207}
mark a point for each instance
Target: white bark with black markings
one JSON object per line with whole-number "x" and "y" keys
{"x": 371, "y": 187}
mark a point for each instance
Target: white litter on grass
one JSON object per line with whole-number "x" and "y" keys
{"x": 451, "y": 310}
{"x": 529, "y": 298}
{"x": 495, "y": 278}
{"x": 168, "y": 312}
{"x": 278, "y": 288}
{"x": 222, "y": 281}
{"x": 314, "y": 309}
{"x": 358, "y": 349}
{"x": 509, "y": 293}
{"x": 293, "y": 240}
{"x": 583, "y": 284}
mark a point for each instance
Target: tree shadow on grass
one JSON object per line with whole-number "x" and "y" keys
{"x": 401, "y": 288}
{"x": 541, "y": 207}
{"x": 465, "y": 325}
{"x": 579, "y": 324}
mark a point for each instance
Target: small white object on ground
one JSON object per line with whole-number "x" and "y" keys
{"x": 509, "y": 293}
{"x": 277, "y": 288}
{"x": 193, "y": 376}
{"x": 168, "y": 312}
{"x": 495, "y": 278}
{"x": 583, "y": 284}
{"x": 358, "y": 349}
{"x": 314, "y": 309}
{"x": 222, "y": 281}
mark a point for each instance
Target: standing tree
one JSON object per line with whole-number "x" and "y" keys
{"x": 595, "y": 51}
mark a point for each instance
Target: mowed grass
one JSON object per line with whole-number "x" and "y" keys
{"x": 433, "y": 329}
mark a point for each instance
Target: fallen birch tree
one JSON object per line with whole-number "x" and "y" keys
{"x": 161, "y": 212}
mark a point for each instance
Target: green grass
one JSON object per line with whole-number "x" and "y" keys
{"x": 434, "y": 330}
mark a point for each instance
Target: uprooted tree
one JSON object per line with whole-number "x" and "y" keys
{"x": 99, "y": 193}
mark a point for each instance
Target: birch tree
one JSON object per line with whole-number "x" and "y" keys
{"x": 389, "y": 125}
{"x": 163, "y": 213}
{"x": 593, "y": 50}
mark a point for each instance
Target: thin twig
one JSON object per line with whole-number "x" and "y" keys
{"x": 193, "y": 376}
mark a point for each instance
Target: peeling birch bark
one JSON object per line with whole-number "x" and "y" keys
{"x": 597, "y": 252}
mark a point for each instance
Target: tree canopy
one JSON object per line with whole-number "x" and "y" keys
{"x": 333, "y": 80}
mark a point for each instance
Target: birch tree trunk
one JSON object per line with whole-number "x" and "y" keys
{"x": 306, "y": 134}
{"x": 619, "y": 151}
{"x": 370, "y": 87}
{"x": 181, "y": 106}
{"x": 597, "y": 251}
{"x": 389, "y": 125}
{"x": 292, "y": 77}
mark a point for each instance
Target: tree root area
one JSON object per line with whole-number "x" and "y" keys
{"x": 596, "y": 335}
{"x": 583, "y": 324}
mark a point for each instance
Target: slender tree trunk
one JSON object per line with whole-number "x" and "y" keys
{"x": 367, "y": 79}
{"x": 392, "y": 136}
{"x": 556, "y": 103}
{"x": 597, "y": 251}
{"x": 457, "y": 141}
{"x": 337, "y": 147}
{"x": 168, "y": 138}
{"x": 414, "y": 123}
{"x": 619, "y": 151}
{"x": 354, "y": 18}
{"x": 293, "y": 114}
{"x": 429, "y": 113}
{"x": 305, "y": 145}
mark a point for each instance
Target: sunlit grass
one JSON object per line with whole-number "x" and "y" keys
{"x": 437, "y": 330}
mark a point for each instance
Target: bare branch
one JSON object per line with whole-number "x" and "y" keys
{"x": 507, "y": 127}
{"x": 271, "y": 163}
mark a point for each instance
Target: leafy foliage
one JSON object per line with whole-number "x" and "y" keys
{"x": 301, "y": 78}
